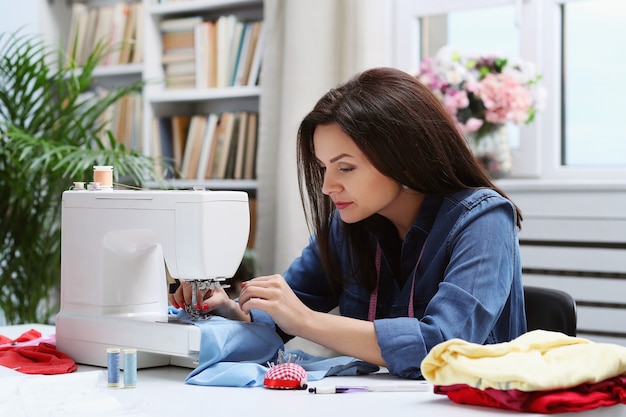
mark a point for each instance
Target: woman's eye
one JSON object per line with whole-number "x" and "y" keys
{"x": 346, "y": 169}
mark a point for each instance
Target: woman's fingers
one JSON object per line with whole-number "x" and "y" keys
{"x": 181, "y": 295}
{"x": 263, "y": 288}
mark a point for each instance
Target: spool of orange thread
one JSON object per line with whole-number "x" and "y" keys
{"x": 103, "y": 175}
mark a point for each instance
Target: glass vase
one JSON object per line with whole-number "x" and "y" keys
{"x": 493, "y": 151}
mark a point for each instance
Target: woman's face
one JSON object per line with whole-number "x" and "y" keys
{"x": 357, "y": 188}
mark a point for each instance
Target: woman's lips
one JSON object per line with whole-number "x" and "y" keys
{"x": 341, "y": 205}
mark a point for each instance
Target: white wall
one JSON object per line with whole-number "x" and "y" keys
{"x": 21, "y": 13}
{"x": 36, "y": 16}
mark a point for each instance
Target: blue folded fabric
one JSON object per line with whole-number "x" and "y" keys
{"x": 319, "y": 367}
{"x": 235, "y": 354}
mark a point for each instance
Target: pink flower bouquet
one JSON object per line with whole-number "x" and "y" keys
{"x": 483, "y": 92}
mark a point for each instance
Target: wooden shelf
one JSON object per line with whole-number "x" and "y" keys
{"x": 118, "y": 70}
{"x": 199, "y": 5}
{"x": 187, "y": 95}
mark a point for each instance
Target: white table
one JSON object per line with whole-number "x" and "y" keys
{"x": 161, "y": 392}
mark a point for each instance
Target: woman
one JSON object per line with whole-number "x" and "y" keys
{"x": 411, "y": 240}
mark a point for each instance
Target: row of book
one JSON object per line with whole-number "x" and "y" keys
{"x": 119, "y": 27}
{"x": 200, "y": 146}
{"x": 198, "y": 53}
{"x": 123, "y": 119}
{"x": 170, "y": 1}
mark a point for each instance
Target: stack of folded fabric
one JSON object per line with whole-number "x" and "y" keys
{"x": 540, "y": 371}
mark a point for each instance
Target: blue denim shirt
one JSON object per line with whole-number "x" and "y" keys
{"x": 468, "y": 284}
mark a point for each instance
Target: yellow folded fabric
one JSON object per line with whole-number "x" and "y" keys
{"x": 536, "y": 361}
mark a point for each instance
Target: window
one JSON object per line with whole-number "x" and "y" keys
{"x": 574, "y": 43}
{"x": 472, "y": 31}
{"x": 593, "y": 124}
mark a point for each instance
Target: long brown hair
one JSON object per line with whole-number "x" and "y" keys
{"x": 405, "y": 132}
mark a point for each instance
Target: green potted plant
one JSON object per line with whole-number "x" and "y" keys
{"x": 51, "y": 134}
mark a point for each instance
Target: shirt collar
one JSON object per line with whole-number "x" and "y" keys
{"x": 382, "y": 228}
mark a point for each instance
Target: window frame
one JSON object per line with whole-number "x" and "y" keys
{"x": 539, "y": 22}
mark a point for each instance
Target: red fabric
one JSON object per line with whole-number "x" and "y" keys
{"x": 580, "y": 398}
{"x": 24, "y": 337}
{"x": 43, "y": 358}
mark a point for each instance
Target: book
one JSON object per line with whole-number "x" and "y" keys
{"x": 205, "y": 55}
{"x": 242, "y": 54}
{"x": 225, "y": 30}
{"x": 211, "y": 54}
{"x": 156, "y": 153}
{"x": 165, "y": 134}
{"x": 102, "y": 35}
{"x": 193, "y": 145}
{"x": 185, "y": 81}
{"x": 119, "y": 16}
{"x": 200, "y": 50}
{"x": 77, "y": 32}
{"x": 138, "y": 46}
{"x": 178, "y": 55}
{"x": 224, "y": 134}
{"x": 89, "y": 37}
{"x": 178, "y": 39}
{"x": 233, "y": 52}
{"x": 229, "y": 170}
{"x": 174, "y": 69}
{"x": 244, "y": 70}
{"x": 136, "y": 130}
{"x": 107, "y": 119}
{"x": 161, "y": 147}
{"x": 249, "y": 164}
{"x": 241, "y": 146}
{"x": 128, "y": 37}
{"x": 208, "y": 146}
{"x": 123, "y": 120}
{"x": 186, "y": 23}
{"x": 180, "y": 128}
{"x": 255, "y": 67}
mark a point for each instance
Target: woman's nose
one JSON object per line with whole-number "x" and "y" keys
{"x": 329, "y": 185}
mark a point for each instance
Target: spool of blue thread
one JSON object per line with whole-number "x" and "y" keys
{"x": 130, "y": 368}
{"x": 113, "y": 367}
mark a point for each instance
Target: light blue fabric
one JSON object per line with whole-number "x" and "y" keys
{"x": 235, "y": 354}
{"x": 246, "y": 374}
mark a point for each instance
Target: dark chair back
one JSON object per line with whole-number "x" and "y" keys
{"x": 550, "y": 309}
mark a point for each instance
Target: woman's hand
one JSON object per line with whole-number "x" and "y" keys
{"x": 272, "y": 295}
{"x": 214, "y": 301}
{"x": 345, "y": 335}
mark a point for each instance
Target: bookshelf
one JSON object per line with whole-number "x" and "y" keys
{"x": 155, "y": 30}
{"x": 163, "y": 100}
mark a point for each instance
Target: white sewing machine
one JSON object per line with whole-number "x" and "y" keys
{"x": 115, "y": 246}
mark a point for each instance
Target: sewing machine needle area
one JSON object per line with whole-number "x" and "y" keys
{"x": 200, "y": 286}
